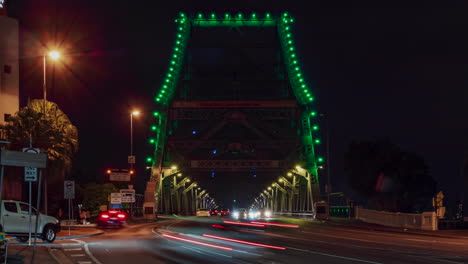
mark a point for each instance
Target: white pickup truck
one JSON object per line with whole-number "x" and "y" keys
{"x": 14, "y": 221}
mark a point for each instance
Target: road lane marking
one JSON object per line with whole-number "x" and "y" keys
{"x": 77, "y": 255}
{"x": 85, "y": 262}
{"x": 78, "y": 241}
{"x": 90, "y": 254}
{"x": 199, "y": 250}
{"x": 72, "y": 249}
{"x": 335, "y": 256}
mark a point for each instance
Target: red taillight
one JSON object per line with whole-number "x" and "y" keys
{"x": 104, "y": 216}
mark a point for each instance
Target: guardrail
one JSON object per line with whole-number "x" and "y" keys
{"x": 424, "y": 221}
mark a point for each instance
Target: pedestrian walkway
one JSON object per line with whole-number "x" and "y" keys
{"x": 447, "y": 233}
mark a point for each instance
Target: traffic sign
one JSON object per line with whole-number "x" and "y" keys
{"x": 30, "y": 173}
{"x": 120, "y": 176}
{"x": 69, "y": 189}
{"x": 131, "y": 159}
{"x": 128, "y": 195}
{"x": 116, "y": 198}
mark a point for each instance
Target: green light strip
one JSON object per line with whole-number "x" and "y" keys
{"x": 283, "y": 22}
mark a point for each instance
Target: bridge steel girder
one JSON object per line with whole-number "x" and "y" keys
{"x": 307, "y": 191}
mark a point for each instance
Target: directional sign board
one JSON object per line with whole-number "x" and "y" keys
{"x": 116, "y": 198}
{"x": 23, "y": 159}
{"x": 120, "y": 176}
{"x": 30, "y": 173}
{"x": 69, "y": 189}
{"x": 128, "y": 195}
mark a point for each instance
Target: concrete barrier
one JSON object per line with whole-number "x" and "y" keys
{"x": 424, "y": 221}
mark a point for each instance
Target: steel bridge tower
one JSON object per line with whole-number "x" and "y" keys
{"x": 234, "y": 101}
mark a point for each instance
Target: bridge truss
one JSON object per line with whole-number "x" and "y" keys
{"x": 280, "y": 124}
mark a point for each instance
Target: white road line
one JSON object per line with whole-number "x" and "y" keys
{"x": 335, "y": 256}
{"x": 78, "y": 241}
{"x": 90, "y": 254}
{"x": 72, "y": 249}
{"x": 85, "y": 262}
{"x": 77, "y": 255}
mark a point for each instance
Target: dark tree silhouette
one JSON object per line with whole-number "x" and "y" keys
{"x": 391, "y": 179}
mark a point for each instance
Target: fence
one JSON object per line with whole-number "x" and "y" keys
{"x": 424, "y": 221}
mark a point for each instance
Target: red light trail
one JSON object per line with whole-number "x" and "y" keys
{"x": 244, "y": 242}
{"x": 196, "y": 242}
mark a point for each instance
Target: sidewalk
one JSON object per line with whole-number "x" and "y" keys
{"x": 446, "y": 233}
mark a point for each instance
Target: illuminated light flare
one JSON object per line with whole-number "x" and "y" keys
{"x": 242, "y": 223}
{"x": 195, "y": 242}
{"x": 275, "y": 224}
{"x": 244, "y": 242}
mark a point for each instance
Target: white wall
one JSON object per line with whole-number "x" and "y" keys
{"x": 9, "y": 82}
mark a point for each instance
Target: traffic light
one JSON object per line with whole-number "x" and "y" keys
{"x": 234, "y": 201}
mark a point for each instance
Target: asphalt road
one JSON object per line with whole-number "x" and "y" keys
{"x": 184, "y": 240}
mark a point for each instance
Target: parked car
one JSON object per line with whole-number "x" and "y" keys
{"x": 14, "y": 221}
{"x": 111, "y": 218}
{"x": 203, "y": 212}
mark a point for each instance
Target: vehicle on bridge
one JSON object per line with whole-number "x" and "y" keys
{"x": 203, "y": 212}
{"x": 240, "y": 213}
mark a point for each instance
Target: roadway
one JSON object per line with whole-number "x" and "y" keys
{"x": 196, "y": 240}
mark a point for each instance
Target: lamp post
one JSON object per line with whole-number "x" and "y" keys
{"x": 54, "y": 55}
{"x": 131, "y": 160}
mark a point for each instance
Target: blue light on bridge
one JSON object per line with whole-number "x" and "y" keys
{"x": 214, "y": 151}
{"x": 194, "y": 132}
{"x": 212, "y": 174}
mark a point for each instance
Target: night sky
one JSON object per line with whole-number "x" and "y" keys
{"x": 377, "y": 71}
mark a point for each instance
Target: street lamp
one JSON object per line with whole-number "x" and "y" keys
{"x": 54, "y": 55}
{"x": 131, "y": 159}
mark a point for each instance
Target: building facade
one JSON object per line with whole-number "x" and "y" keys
{"x": 9, "y": 69}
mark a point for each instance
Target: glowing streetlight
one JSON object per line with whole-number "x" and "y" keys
{"x": 131, "y": 159}
{"x": 55, "y": 55}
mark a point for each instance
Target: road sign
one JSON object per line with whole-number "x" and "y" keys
{"x": 69, "y": 189}
{"x": 22, "y": 159}
{"x": 128, "y": 195}
{"x": 120, "y": 176}
{"x": 30, "y": 173}
{"x": 131, "y": 159}
{"x": 116, "y": 198}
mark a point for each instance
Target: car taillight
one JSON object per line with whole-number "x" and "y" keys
{"x": 122, "y": 216}
{"x": 104, "y": 216}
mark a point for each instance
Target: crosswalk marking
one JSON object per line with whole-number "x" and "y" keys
{"x": 72, "y": 249}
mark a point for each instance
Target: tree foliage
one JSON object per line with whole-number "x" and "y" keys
{"x": 391, "y": 179}
{"x": 52, "y": 132}
{"x": 93, "y": 195}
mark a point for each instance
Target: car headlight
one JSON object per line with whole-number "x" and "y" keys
{"x": 267, "y": 213}
{"x": 251, "y": 214}
{"x": 235, "y": 214}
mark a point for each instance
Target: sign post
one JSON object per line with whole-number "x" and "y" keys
{"x": 30, "y": 175}
{"x": 69, "y": 193}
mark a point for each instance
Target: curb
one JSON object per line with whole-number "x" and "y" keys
{"x": 79, "y": 236}
{"x": 396, "y": 231}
